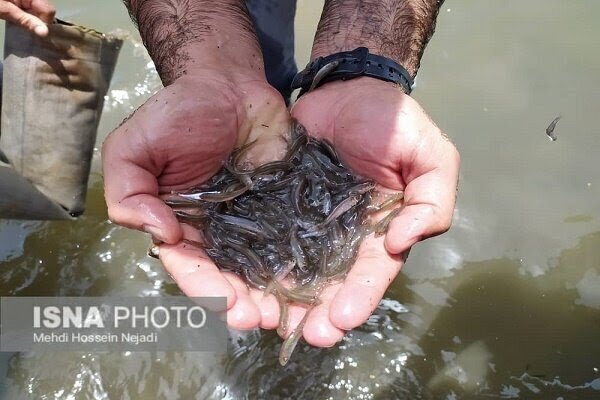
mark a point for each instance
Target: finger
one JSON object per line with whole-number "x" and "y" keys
{"x": 319, "y": 331}
{"x": 429, "y": 201}
{"x": 131, "y": 193}
{"x": 195, "y": 274}
{"x": 365, "y": 284}
{"x": 11, "y": 13}
{"x": 43, "y": 9}
{"x": 244, "y": 314}
{"x": 269, "y": 308}
{"x": 295, "y": 314}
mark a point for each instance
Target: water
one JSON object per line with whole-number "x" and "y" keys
{"x": 504, "y": 305}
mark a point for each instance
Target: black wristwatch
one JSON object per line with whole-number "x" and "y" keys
{"x": 348, "y": 65}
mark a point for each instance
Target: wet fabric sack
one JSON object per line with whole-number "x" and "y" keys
{"x": 52, "y": 96}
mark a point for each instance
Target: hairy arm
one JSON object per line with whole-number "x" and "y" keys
{"x": 187, "y": 36}
{"x": 396, "y": 29}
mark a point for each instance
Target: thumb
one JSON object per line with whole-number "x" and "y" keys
{"x": 11, "y": 13}
{"x": 144, "y": 212}
{"x": 131, "y": 194}
{"x": 429, "y": 205}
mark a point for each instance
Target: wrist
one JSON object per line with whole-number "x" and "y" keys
{"x": 183, "y": 36}
{"x": 217, "y": 57}
{"x": 352, "y": 88}
{"x": 254, "y": 104}
{"x": 351, "y": 65}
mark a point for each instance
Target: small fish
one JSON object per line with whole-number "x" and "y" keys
{"x": 322, "y": 73}
{"x": 297, "y": 249}
{"x": 154, "y": 251}
{"x": 550, "y": 129}
{"x": 332, "y": 152}
{"x": 230, "y": 193}
{"x": 289, "y": 344}
{"x": 191, "y": 219}
{"x": 278, "y": 277}
{"x": 299, "y": 220}
{"x": 325, "y": 164}
{"x": 232, "y": 163}
{"x": 381, "y": 227}
{"x": 343, "y": 206}
{"x": 278, "y": 185}
{"x": 270, "y": 168}
{"x": 242, "y": 225}
{"x": 392, "y": 200}
{"x": 283, "y": 315}
{"x": 296, "y": 144}
{"x": 294, "y": 295}
{"x": 297, "y": 194}
{"x": 336, "y": 236}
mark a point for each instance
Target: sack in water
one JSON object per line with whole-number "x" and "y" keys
{"x": 52, "y": 96}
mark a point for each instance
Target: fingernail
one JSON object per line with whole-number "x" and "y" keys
{"x": 41, "y": 30}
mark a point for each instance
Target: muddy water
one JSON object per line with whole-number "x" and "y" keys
{"x": 505, "y": 305}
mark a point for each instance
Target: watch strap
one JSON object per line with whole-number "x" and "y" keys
{"x": 352, "y": 64}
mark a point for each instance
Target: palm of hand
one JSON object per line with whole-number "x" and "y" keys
{"x": 178, "y": 139}
{"x": 374, "y": 127}
{"x": 384, "y": 135}
{"x": 187, "y": 147}
{"x": 184, "y": 132}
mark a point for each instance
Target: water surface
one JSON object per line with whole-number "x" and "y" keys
{"x": 504, "y": 305}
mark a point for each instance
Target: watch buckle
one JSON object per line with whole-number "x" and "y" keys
{"x": 353, "y": 63}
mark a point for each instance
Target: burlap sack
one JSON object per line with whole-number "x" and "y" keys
{"x": 52, "y": 96}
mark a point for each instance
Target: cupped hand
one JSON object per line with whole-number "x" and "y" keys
{"x": 382, "y": 134}
{"x": 32, "y": 15}
{"x": 178, "y": 139}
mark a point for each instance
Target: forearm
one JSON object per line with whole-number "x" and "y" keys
{"x": 396, "y": 29}
{"x": 194, "y": 36}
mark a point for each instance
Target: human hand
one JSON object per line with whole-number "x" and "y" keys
{"x": 176, "y": 140}
{"x": 33, "y": 15}
{"x": 382, "y": 134}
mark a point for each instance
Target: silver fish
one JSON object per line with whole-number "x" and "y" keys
{"x": 550, "y": 129}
